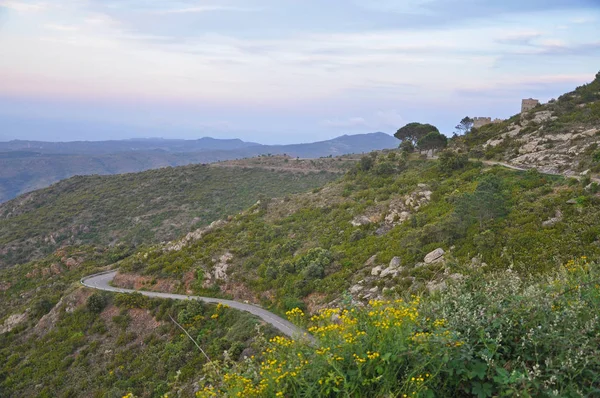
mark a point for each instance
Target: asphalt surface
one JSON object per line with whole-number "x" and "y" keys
{"x": 102, "y": 282}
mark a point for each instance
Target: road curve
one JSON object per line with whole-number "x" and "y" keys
{"x": 102, "y": 282}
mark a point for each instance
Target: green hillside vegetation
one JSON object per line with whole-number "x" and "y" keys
{"x": 292, "y": 249}
{"x": 418, "y": 277}
{"x": 132, "y": 209}
{"x": 76, "y": 342}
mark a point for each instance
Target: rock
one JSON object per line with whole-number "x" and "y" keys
{"x": 434, "y": 256}
{"x": 220, "y": 271}
{"x": 4, "y": 286}
{"x": 371, "y": 260}
{"x": 384, "y": 229}
{"x": 542, "y": 116}
{"x": 355, "y": 289}
{"x": 374, "y": 290}
{"x": 585, "y": 172}
{"x": 376, "y": 270}
{"x": 395, "y": 263}
{"x": 389, "y": 271}
{"x": 456, "y": 277}
{"x": 551, "y": 221}
{"x": 12, "y": 322}
{"x": 71, "y": 263}
{"x": 572, "y": 201}
{"x": 360, "y": 220}
{"x": 434, "y": 286}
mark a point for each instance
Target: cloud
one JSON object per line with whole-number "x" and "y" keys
{"x": 61, "y": 28}
{"x": 199, "y": 9}
{"x": 352, "y": 122}
{"x": 21, "y": 6}
{"x": 380, "y": 120}
{"x": 519, "y": 38}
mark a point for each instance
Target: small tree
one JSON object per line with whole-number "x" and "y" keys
{"x": 450, "y": 160}
{"x": 434, "y": 141}
{"x": 96, "y": 302}
{"x": 465, "y": 125}
{"x": 366, "y": 163}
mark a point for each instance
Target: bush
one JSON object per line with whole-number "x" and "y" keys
{"x": 486, "y": 335}
{"x": 97, "y": 302}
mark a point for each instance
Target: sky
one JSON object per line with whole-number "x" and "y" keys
{"x": 281, "y": 71}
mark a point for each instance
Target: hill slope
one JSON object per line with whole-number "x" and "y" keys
{"x": 138, "y": 208}
{"x": 562, "y": 136}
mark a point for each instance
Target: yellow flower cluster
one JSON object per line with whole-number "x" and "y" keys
{"x": 281, "y": 341}
{"x": 294, "y": 313}
{"x": 577, "y": 265}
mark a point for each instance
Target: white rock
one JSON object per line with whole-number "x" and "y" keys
{"x": 435, "y": 256}
{"x": 389, "y": 271}
{"x": 395, "y": 263}
{"x": 376, "y": 270}
{"x": 355, "y": 289}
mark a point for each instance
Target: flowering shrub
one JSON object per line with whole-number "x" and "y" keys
{"x": 487, "y": 335}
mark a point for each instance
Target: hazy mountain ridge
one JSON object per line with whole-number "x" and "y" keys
{"x": 29, "y": 169}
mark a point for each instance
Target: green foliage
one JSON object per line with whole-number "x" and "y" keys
{"x": 407, "y": 146}
{"x": 366, "y": 163}
{"x": 465, "y": 125}
{"x": 152, "y": 206}
{"x": 451, "y": 160}
{"x": 413, "y": 132}
{"x": 97, "y": 302}
{"x": 433, "y": 140}
{"x": 488, "y": 334}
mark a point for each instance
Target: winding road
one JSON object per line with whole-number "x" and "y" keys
{"x": 102, "y": 282}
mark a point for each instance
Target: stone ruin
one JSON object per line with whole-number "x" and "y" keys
{"x": 529, "y": 104}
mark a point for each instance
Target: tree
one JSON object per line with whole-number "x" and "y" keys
{"x": 366, "y": 162}
{"x": 433, "y": 140}
{"x": 407, "y": 146}
{"x": 488, "y": 202}
{"x": 450, "y": 160}
{"x": 96, "y": 302}
{"x": 413, "y": 132}
{"x": 465, "y": 125}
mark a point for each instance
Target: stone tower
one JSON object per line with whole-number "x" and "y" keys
{"x": 529, "y": 104}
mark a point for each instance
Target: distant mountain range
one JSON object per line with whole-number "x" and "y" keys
{"x": 29, "y": 165}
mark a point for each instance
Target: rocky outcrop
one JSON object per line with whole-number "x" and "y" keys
{"x": 12, "y": 322}
{"x": 221, "y": 266}
{"x": 553, "y": 220}
{"x": 194, "y": 236}
{"x": 435, "y": 256}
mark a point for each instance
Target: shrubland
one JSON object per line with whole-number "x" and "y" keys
{"x": 133, "y": 209}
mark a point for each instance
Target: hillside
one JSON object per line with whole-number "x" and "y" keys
{"x": 562, "y": 136}
{"x": 416, "y": 276}
{"x": 26, "y": 165}
{"x": 132, "y": 209}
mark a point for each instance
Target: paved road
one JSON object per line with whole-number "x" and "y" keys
{"x": 102, "y": 282}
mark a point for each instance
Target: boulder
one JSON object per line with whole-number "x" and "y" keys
{"x": 572, "y": 201}
{"x": 360, "y": 220}
{"x": 389, "y": 271}
{"x": 371, "y": 260}
{"x": 435, "y": 256}
{"x": 376, "y": 270}
{"x": 355, "y": 289}
{"x": 434, "y": 286}
{"x": 395, "y": 263}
